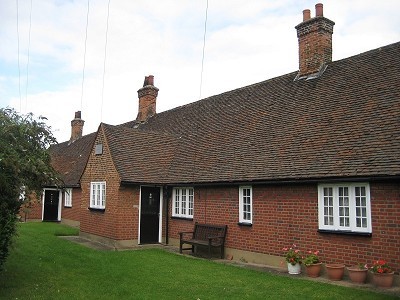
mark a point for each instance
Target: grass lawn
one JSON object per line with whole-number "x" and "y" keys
{"x": 43, "y": 266}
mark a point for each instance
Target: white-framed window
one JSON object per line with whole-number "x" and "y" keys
{"x": 68, "y": 197}
{"x": 98, "y": 195}
{"x": 245, "y": 204}
{"x": 183, "y": 202}
{"x": 344, "y": 207}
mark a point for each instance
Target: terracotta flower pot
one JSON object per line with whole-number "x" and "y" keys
{"x": 294, "y": 269}
{"x": 313, "y": 270}
{"x": 335, "y": 271}
{"x": 357, "y": 275}
{"x": 384, "y": 280}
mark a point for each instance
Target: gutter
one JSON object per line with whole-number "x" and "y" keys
{"x": 273, "y": 182}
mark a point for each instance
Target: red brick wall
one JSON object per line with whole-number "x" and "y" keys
{"x": 72, "y": 213}
{"x": 128, "y": 213}
{"x": 118, "y": 216}
{"x": 283, "y": 215}
{"x": 32, "y": 210}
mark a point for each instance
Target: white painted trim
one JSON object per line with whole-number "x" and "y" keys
{"x": 60, "y": 199}
{"x": 180, "y": 214}
{"x": 104, "y": 196}
{"x": 68, "y": 191}
{"x": 241, "y": 219}
{"x": 352, "y": 211}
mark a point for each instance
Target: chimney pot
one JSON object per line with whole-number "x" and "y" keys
{"x": 306, "y": 15}
{"x": 76, "y": 127}
{"x": 319, "y": 10}
{"x": 148, "y": 80}
{"x": 315, "y": 42}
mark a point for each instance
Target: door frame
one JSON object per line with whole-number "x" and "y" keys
{"x": 59, "y": 202}
{"x": 160, "y": 214}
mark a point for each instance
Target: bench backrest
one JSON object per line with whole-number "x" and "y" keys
{"x": 203, "y": 231}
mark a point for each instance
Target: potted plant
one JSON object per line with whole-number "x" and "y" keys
{"x": 335, "y": 271}
{"x": 312, "y": 263}
{"x": 358, "y": 273}
{"x": 293, "y": 259}
{"x": 382, "y": 274}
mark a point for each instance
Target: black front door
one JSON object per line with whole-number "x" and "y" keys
{"x": 150, "y": 214}
{"x": 51, "y": 199}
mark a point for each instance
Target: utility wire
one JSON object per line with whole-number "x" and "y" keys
{"x": 27, "y": 65}
{"x": 104, "y": 63}
{"x": 84, "y": 55}
{"x": 19, "y": 68}
{"x": 204, "y": 46}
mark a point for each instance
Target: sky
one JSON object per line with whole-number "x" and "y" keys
{"x": 56, "y": 58}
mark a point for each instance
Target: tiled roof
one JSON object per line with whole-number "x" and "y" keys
{"x": 345, "y": 123}
{"x": 70, "y": 159}
{"x": 140, "y": 157}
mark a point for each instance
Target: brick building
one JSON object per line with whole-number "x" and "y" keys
{"x": 311, "y": 157}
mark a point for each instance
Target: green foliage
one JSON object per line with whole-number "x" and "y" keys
{"x": 48, "y": 267}
{"x": 24, "y": 168}
{"x": 311, "y": 258}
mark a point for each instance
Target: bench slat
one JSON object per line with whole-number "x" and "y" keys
{"x": 205, "y": 235}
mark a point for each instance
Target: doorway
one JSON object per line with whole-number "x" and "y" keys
{"x": 149, "y": 215}
{"x": 51, "y": 205}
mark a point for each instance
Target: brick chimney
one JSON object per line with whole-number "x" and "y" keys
{"x": 315, "y": 42}
{"x": 147, "y": 99}
{"x": 76, "y": 127}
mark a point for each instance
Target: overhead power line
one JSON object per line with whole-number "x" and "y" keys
{"x": 84, "y": 54}
{"x": 204, "y": 46}
{"x": 104, "y": 63}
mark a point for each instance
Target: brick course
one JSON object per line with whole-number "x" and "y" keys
{"x": 283, "y": 215}
{"x": 119, "y": 220}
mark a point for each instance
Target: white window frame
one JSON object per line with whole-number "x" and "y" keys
{"x": 349, "y": 213}
{"x": 246, "y": 205}
{"x": 98, "y": 195}
{"x": 183, "y": 202}
{"x": 68, "y": 197}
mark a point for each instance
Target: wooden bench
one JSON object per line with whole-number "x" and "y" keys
{"x": 207, "y": 235}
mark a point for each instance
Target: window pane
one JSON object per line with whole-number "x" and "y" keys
{"x": 328, "y": 206}
{"x": 245, "y": 204}
{"x": 191, "y": 200}
{"x": 176, "y": 201}
{"x": 363, "y": 201}
{"x": 103, "y": 194}
{"x": 183, "y": 202}
{"x": 364, "y": 222}
{"x": 93, "y": 195}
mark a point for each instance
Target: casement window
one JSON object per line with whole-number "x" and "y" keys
{"x": 344, "y": 207}
{"x": 68, "y": 197}
{"x": 183, "y": 203}
{"x": 245, "y": 205}
{"x": 98, "y": 195}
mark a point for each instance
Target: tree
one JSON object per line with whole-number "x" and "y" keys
{"x": 24, "y": 168}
